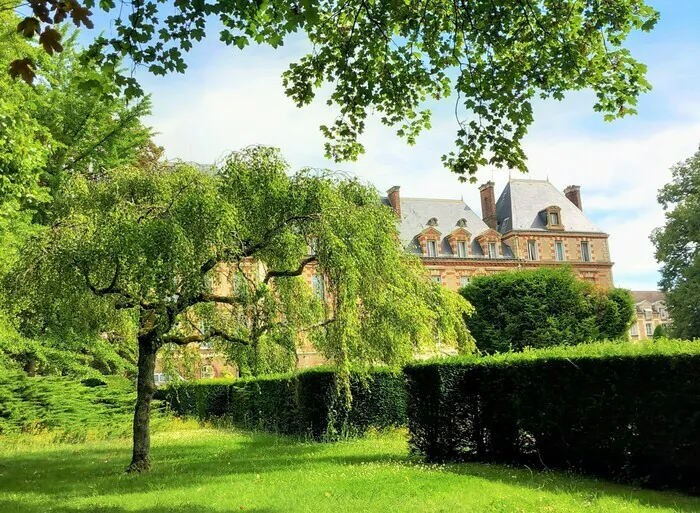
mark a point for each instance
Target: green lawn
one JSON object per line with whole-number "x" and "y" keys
{"x": 206, "y": 470}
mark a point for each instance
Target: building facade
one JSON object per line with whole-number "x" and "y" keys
{"x": 531, "y": 225}
{"x": 650, "y": 310}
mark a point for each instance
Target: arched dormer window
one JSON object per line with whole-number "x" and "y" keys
{"x": 432, "y": 221}
{"x": 462, "y": 223}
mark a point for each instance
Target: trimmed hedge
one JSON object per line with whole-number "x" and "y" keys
{"x": 630, "y": 412}
{"x": 304, "y": 404}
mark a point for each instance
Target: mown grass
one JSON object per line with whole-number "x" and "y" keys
{"x": 208, "y": 470}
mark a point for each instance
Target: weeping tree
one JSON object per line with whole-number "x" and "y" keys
{"x": 170, "y": 246}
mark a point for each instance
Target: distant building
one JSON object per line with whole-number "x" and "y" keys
{"x": 532, "y": 225}
{"x": 651, "y": 311}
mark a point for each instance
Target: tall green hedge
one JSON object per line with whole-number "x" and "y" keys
{"x": 305, "y": 404}
{"x": 630, "y": 412}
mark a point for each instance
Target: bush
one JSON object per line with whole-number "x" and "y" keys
{"x": 622, "y": 411}
{"x": 543, "y": 308}
{"x": 305, "y": 404}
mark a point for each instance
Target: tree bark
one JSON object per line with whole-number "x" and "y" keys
{"x": 145, "y": 388}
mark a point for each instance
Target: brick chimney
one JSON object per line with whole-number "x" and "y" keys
{"x": 488, "y": 205}
{"x": 395, "y": 200}
{"x": 573, "y": 193}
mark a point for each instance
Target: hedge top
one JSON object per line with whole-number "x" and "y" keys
{"x": 602, "y": 349}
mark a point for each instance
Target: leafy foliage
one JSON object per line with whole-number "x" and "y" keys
{"x": 68, "y": 409}
{"x": 393, "y": 57}
{"x": 145, "y": 248}
{"x": 73, "y": 120}
{"x": 304, "y": 404}
{"x": 543, "y": 307}
{"x": 622, "y": 411}
{"x": 678, "y": 247}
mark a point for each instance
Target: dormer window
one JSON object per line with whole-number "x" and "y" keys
{"x": 432, "y": 221}
{"x": 461, "y": 249}
{"x": 553, "y": 218}
{"x": 492, "y": 249}
{"x": 462, "y": 223}
{"x": 432, "y": 248}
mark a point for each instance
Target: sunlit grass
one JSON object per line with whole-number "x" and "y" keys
{"x": 207, "y": 470}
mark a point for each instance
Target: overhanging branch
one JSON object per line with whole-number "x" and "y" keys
{"x": 288, "y": 273}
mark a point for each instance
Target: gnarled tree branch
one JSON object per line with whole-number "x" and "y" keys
{"x": 292, "y": 272}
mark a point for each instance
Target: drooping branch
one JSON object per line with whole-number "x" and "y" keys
{"x": 203, "y": 337}
{"x": 291, "y": 272}
{"x": 110, "y": 289}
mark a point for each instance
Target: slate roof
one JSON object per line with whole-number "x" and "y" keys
{"x": 648, "y": 295}
{"x": 416, "y": 212}
{"x": 520, "y": 205}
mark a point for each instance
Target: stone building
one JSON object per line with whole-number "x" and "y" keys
{"x": 531, "y": 225}
{"x": 651, "y": 311}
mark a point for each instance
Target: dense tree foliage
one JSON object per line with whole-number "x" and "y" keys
{"x": 391, "y": 57}
{"x": 150, "y": 245}
{"x": 73, "y": 119}
{"x": 678, "y": 247}
{"x": 544, "y": 307}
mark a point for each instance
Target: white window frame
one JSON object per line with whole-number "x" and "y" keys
{"x": 432, "y": 248}
{"x": 464, "y": 281}
{"x": 648, "y": 314}
{"x": 461, "y": 249}
{"x": 554, "y": 216}
{"x": 649, "y": 329}
{"x": 634, "y": 330}
{"x": 532, "y": 250}
{"x": 663, "y": 314}
{"x": 492, "y": 249}
{"x": 585, "y": 255}
{"x": 559, "y": 250}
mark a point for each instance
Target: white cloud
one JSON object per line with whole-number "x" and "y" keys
{"x": 620, "y": 167}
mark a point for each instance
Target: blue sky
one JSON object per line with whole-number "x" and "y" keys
{"x": 229, "y": 99}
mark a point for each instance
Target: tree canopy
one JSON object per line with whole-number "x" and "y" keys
{"x": 391, "y": 57}
{"x": 153, "y": 245}
{"x": 542, "y": 308}
{"x": 678, "y": 247}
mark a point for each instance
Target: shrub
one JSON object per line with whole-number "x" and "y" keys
{"x": 622, "y": 411}
{"x": 542, "y": 308}
{"x": 305, "y": 404}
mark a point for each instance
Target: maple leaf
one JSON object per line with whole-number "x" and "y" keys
{"x": 23, "y": 68}
{"x": 81, "y": 14}
{"x": 29, "y": 26}
{"x": 50, "y": 39}
{"x": 40, "y": 10}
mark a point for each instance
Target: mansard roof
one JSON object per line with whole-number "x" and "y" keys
{"x": 651, "y": 296}
{"x": 520, "y": 205}
{"x": 417, "y": 212}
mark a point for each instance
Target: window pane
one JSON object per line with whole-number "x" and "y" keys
{"x": 437, "y": 279}
{"x": 461, "y": 249}
{"x": 492, "y": 250}
{"x": 559, "y": 250}
{"x": 649, "y": 329}
{"x": 553, "y": 218}
{"x": 463, "y": 281}
{"x": 432, "y": 248}
{"x": 633, "y": 330}
{"x": 532, "y": 250}
{"x": 318, "y": 286}
{"x": 585, "y": 252}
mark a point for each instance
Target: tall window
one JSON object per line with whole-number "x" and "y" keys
{"x": 318, "y": 286}
{"x": 313, "y": 245}
{"x": 559, "y": 250}
{"x": 649, "y": 329}
{"x": 662, "y": 313}
{"x": 437, "y": 279}
{"x": 463, "y": 281}
{"x": 461, "y": 249}
{"x": 553, "y": 218}
{"x": 493, "y": 251}
{"x": 585, "y": 251}
{"x": 432, "y": 248}
{"x": 634, "y": 331}
{"x": 647, "y": 314}
{"x": 532, "y": 250}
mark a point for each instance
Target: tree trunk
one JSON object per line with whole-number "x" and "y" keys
{"x": 142, "y": 414}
